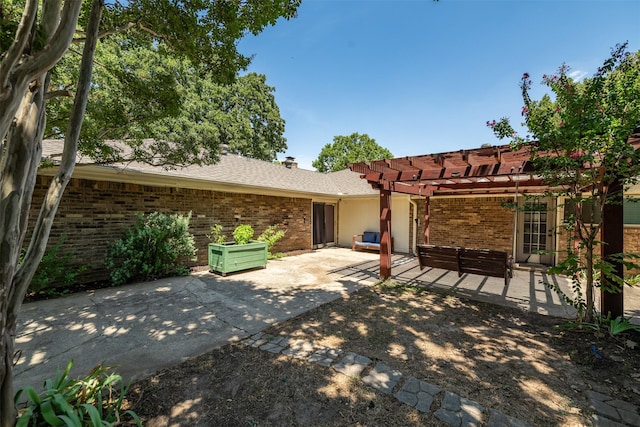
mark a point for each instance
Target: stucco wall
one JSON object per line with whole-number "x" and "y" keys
{"x": 363, "y": 214}
{"x": 94, "y": 213}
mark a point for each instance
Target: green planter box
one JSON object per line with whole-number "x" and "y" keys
{"x": 229, "y": 257}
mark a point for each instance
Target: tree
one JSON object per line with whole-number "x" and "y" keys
{"x": 349, "y": 149}
{"x": 127, "y": 103}
{"x": 243, "y": 116}
{"x": 35, "y": 36}
{"x": 579, "y": 144}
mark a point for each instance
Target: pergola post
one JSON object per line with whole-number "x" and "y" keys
{"x": 612, "y": 236}
{"x": 385, "y": 231}
{"x": 427, "y": 215}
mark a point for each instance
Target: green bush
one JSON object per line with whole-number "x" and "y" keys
{"x": 55, "y": 269}
{"x": 156, "y": 246}
{"x": 243, "y": 234}
{"x": 270, "y": 236}
{"x": 95, "y": 400}
{"x": 216, "y": 235}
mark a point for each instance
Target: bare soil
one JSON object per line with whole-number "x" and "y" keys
{"x": 502, "y": 358}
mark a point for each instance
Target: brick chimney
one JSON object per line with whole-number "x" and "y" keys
{"x": 290, "y": 162}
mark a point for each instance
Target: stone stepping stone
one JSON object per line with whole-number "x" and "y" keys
{"x": 325, "y": 356}
{"x": 459, "y": 411}
{"x": 610, "y": 411}
{"x": 352, "y": 364}
{"x": 300, "y": 349}
{"x": 382, "y": 378}
{"x": 419, "y": 394}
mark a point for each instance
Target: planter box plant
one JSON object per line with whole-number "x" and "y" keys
{"x": 242, "y": 254}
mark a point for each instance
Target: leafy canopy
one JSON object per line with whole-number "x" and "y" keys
{"x": 579, "y": 140}
{"x": 168, "y": 111}
{"x": 349, "y": 149}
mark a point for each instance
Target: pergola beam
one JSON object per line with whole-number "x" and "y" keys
{"x": 487, "y": 170}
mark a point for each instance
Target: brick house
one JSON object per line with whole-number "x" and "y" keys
{"x": 480, "y": 221}
{"x": 315, "y": 209}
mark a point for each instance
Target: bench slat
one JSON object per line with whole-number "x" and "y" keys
{"x": 485, "y": 262}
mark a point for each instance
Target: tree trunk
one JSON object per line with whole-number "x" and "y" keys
{"x": 17, "y": 182}
{"x": 588, "y": 316}
{"x": 19, "y": 170}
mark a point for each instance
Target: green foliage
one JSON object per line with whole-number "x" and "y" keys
{"x": 171, "y": 100}
{"x": 620, "y": 325}
{"x": 154, "y": 247}
{"x": 55, "y": 269}
{"x": 243, "y": 234}
{"x": 615, "y": 327}
{"x": 578, "y": 138}
{"x": 216, "y": 235}
{"x": 271, "y": 236}
{"x": 95, "y": 400}
{"x": 349, "y": 149}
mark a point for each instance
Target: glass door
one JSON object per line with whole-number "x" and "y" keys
{"x": 535, "y": 236}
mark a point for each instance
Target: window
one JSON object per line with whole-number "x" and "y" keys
{"x": 631, "y": 208}
{"x": 632, "y": 211}
{"x": 535, "y": 227}
{"x": 587, "y": 211}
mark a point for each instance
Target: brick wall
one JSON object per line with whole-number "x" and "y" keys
{"x": 95, "y": 213}
{"x": 632, "y": 244}
{"x": 473, "y": 222}
{"x": 632, "y": 240}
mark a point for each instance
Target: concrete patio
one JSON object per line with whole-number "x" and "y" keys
{"x": 144, "y": 327}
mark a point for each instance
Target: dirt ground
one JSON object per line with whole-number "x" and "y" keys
{"x": 502, "y": 358}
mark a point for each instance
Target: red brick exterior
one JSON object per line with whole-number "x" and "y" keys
{"x": 473, "y": 222}
{"x": 632, "y": 243}
{"x": 94, "y": 213}
{"x": 632, "y": 240}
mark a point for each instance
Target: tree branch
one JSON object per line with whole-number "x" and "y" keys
{"x": 57, "y": 45}
{"x": 57, "y": 93}
{"x": 107, "y": 33}
{"x": 56, "y": 189}
{"x": 14, "y": 53}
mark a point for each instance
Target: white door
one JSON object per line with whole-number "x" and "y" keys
{"x": 535, "y": 232}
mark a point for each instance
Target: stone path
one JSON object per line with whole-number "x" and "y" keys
{"x": 448, "y": 407}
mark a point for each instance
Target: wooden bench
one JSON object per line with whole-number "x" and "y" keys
{"x": 485, "y": 262}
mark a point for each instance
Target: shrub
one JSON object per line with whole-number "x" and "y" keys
{"x": 55, "y": 269}
{"x": 243, "y": 234}
{"x": 95, "y": 400}
{"x": 156, "y": 246}
{"x": 270, "y": 236}
{"x": 216, "y": 235}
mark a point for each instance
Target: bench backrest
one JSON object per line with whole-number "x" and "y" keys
{"x": 445, "y": 257}
{"x": 483, "y": 261}
{"x": 486, "y": 262}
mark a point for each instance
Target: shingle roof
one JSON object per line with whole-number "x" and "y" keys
{"x": 237, "y": 170}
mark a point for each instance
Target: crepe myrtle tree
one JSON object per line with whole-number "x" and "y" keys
{"x": 35, "y": 36}
{"x": 579, "y": 142}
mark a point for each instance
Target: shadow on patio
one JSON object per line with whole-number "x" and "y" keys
{"x": 525, "y": 290}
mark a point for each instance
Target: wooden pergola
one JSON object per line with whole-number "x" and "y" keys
{"x": 491, "y": 170}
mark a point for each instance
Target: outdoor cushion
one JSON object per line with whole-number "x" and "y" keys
{"x": 369, "y": 237}
{"x": 367, "y": 244}
{"x": 377, "y": 238}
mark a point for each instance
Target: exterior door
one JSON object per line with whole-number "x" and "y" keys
{"x": 323, "y": 224}
{"x": 536, "y": 232}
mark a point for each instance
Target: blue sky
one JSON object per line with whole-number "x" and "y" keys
{"x": 422, "y": 77}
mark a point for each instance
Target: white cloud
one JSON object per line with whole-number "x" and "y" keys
{"x": 578, "y": 75}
